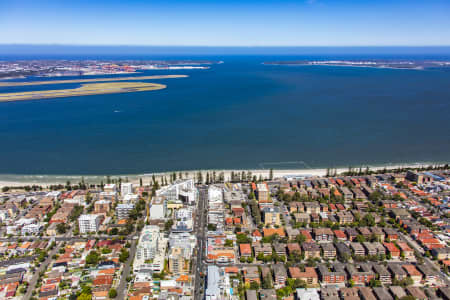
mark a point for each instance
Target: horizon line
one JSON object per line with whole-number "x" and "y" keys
{"x": 222, "y": 46}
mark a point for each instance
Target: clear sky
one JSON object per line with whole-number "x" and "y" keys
{"x": 226, "y": 23}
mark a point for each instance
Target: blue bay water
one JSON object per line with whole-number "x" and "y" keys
{"x": 239, "y": 114}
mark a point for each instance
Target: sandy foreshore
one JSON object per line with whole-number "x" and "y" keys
{"x": 85, "y": 90}
{"x": 46, "y": 180}
{"x": 105, "y": 79}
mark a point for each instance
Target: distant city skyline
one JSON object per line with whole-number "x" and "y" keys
{"x": 227, "y": 23}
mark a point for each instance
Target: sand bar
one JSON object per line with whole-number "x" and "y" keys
{"x": 109, "y": 79}
{"x": 84, "y": 90}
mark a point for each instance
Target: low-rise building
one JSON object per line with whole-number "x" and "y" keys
{"x": 383, "y": 274}
{"x": 328, "y": 250}
{"x": 89, "y": 223}
{"x": 280, "y": 274}
{"x": 123, "y": 210}
{"x": 334, "y": 275}
{"x": 311, "y": 250}
{"x": 412, "y": 272}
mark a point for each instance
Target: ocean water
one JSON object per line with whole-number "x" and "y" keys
{"x": 236, "y": 115}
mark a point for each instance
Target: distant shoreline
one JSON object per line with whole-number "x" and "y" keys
{"x": 376, "y": 64}
{"x": 45, "y": 180}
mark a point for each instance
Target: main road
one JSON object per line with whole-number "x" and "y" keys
{"x": 121, "y": 288}
{"x": 43, "y": 266}
{"x": 200, "y": 225}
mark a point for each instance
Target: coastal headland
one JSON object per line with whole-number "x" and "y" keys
{"x": 84, "y": 90}
{"x": 112, "y": 79}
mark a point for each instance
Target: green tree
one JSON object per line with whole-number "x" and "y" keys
{"x": 84, "y": 296}
{"x": 228, "y": 243}
{"x": 61, "y": 228}
{"x": 267, "y": 281}
{"x": 92, "y": 258}
{"x": 374, "y": 283}
{"x": 408, "y": 297}
{"x": 254, "y": 285}
{"x": 168, "y": 225}
{"x": 124, "y": 254}
{"x": 112, "y": 293}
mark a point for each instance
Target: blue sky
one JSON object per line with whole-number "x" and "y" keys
{"x": 226, "y": 23}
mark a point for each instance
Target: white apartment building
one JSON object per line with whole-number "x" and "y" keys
{"x": 130, "y": 198}
{"x": 215, "y": 197}
{"x": 179, "y": 189}
{"x": 111, "y": 187}
{"x": 151, "y": 250}
{"x": 158, "y": 208}
{"x": 89, "y": 223}
{"x": 31, "y": 229}
{"x": 148, "y": 243}
{"x": 126, "y": 188}
{"x": 123, "y": 210}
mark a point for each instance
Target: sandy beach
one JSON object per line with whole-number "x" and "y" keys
{"x": 46, "y": 180}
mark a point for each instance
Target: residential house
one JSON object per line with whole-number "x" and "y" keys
{"x": 309, "y": 275}
{"x": 343, "y": 251}
{"x": 382, "y": 293}
{"x": 397, "y": 291}
{"x": 328, "y": 250}
{"x": 383, "y": 274}
{"x": 245, "y": 250}
{"x": 280, "y": 249}
{"x": 358, "y": 249}
{"x": 360, "y": 274}
{"x": 351, "y": 233}
{"x": 430, "y": 276}
{"x": 397, "y": 271}
{"x": 416, "y": 292}
{"x": 323, "y": 234}
{"x": 412, "y": 272}
{"x": 271, "y": 215}
{"x": 311, "y": 250}
{"x": 366, "y": 294}
{"x": 280, "y": 274}
{"x": 344, "y": 217}
{"x": 392, "y": 249}
{"x": 391, "y": 234}
{"x": 370, "y": 248}
{"x": 406, "y": 251}
{"x": 334, "y": 275}
{"x": 293, "y": 248}
{"x": 251, "y": 274}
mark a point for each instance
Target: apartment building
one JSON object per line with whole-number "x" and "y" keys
{"x": 89, "y": 223}
{"x": 323, "y": 234}
{"x": 178, "y": 261}
{"x": 311, "y": 250}
{"x": 328, "y": 250}
{"x": 357, "y": 249}
{"x": 123, "y": 210}
{"x": 148, "y": 243}
{"x": 334, "y": 275}
{"x": 360, "y": 274}
{"x": 262, "y": 193}
{"x": 383, "y": 273}
{"x": 126, "y": 188}
{"x": 158, "y": 208}
{"x": 280, "y": 274}
{"x": 272, "y": 215}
